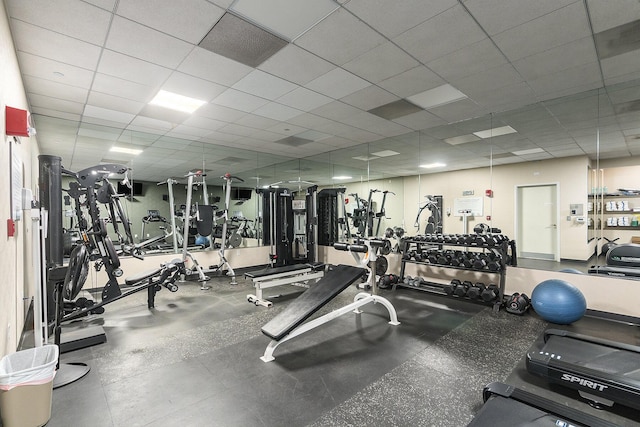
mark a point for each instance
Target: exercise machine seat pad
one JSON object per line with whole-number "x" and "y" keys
{"x": 278, "y": 270}
{"x": 335, "y": 280}
{"x": 130, "y": 281}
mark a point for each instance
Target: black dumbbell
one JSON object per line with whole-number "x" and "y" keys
{"x": 475, "y": 290}
{"x": 416, "y": 282}
{"x": 455, "y": 260}
{"x": 494, "y": 260}
{"x": 407, "y": 280}
{"x": 444, "y": 258}
{"x": 450, "y": 288}
{"x": 467, "y": 259}
{"x": 407, "y": 255}
{"x": 480, "y": 261}
{"x": 461, "y": 290}
{"x": 490, "y": 293}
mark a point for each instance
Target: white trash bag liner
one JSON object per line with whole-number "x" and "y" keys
{"x": 33, "y": 366}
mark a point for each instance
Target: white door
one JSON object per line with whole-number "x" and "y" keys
{"x": 537, "y": 219}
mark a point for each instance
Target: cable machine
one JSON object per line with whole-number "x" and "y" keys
{"x": 278, "y": 225}
{"x": 332, "y": 217}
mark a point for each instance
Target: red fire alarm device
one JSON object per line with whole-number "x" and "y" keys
{"x": 488, "y": 193}
{"x": 16, "y": 121}
{"x": 11, "y": 228}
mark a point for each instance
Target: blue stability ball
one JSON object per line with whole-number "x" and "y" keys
{"x": 558, "y": 301}
{"x": 202, "y": 240}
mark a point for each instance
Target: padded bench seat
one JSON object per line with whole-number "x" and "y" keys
{"x": 335, "y": 280}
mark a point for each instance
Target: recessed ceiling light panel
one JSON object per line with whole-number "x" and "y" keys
{"x": 339, "y": 177}
{"x": 125, "y": 150}
{"x": 437, "y": 96}
{"x": 365, "y": 158}
{"x": 488, "y": 133}
{"x": 177, "y": 102}
{"x": 385, "y": 153}
{"x": 433, "y": 165}
{"x": 530, "y": 151}
{"x": 462, "y": 139}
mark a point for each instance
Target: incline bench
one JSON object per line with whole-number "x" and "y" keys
{"x": 296, "y": 274}
{"x": 290, "y": 322}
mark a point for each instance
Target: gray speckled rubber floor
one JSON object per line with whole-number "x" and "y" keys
{"x": 194, "y": 361}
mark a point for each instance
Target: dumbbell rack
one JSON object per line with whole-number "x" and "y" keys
{"x": 427, "y": 242}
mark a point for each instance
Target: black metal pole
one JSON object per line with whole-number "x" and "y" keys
{"x": 50, "y": 183}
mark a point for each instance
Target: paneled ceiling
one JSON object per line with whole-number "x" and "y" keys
{"x": 307, "y": 89}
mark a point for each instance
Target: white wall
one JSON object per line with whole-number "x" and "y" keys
{"x": 16, "y": 287}
{"x": 570, "y": 173}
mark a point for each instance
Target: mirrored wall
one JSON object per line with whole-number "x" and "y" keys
{"x": 570, "y": 141}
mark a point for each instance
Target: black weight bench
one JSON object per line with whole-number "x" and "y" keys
{"x": 296, "y": 274}
{"x": 290, "y": 323}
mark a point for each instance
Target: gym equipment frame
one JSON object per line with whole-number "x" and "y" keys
{"x": 290, "y": 322}
{"x": 296, "y": 274}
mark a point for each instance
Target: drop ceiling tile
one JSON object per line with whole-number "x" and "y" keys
{"x": 339, "y": 38}
{"x": 359, "y": 135}
{"x": 45, "y": 68}
{"x": 392, "y": 21}
{"x": 304, "y": 99}
{"x": 115, "y": 103}
{"x": 337, "y": 83}
{"x": 453, "y": 29}
{"x": 562, "y": 26}
{"x": 468, "y": 60}
{"x": 561, "y": 84}
{"x": 189, "y": 21}
{"x": 75, "y": 19}
{"x": 203, "y": 123}
{"x": 264, "y": 85}
{"x": 133, "y": 69}
{"x": 500, "y": 76}
{"x": 420, "y": 120}
{"x": 152, "y": 46}
{"x": 369, "y": 97}
{"x": 265, "y": 135}
{"x": 296, "y": 65}
{"x": 149, "y": 124}
{"x": 276, "y": 111}
{"x": 336, "y": 110}
{"x": 163, "y": 114}
{"x": 288, "y": 128}
{"x": 54, "y": 89}
{"x": 308, "y": 121}
{"x": 194, "y": 87}
{"x": 116, "y": 86}
{"x": 48, "y": 44}
{"x": 560, "y": 58}
{"x": 256, "y": 121}
{"x": 621, "y": 65}
{"x": 510, "y": 14}
{"x": 213, "y": 67}
{"x": 604, "y": 17}
{"x": 242, "y": 101}
{"x": 187, "y": 132}
{"x": 62, "y": 105}
{"x": 235, "y": 129}
{"x": 218, "y": 112}
{"x": 381, "y": 62}
{"x": 411, "y": 82}
{"x": 218, "y": 136}
{"x": 459, "y": 110}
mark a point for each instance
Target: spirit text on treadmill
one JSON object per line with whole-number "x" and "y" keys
{"x": 584, "y": 382}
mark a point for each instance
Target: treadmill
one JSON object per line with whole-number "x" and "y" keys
{"x": 509, "y": 406}
{"x": 622, "y": 261}
{"x": 603, "y": 372}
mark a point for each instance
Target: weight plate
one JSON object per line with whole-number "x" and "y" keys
{"x": 381, "y": 265}
{"x": 234, "y": 240}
